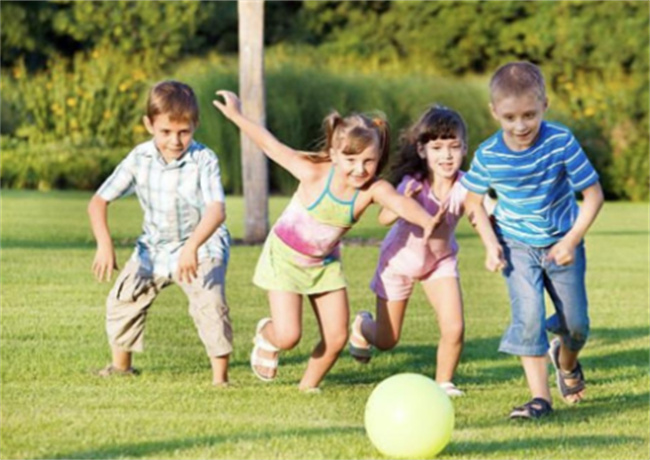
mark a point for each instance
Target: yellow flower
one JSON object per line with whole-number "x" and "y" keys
{"x": 139, "y": 75}
{"x": 95, "y": 54}
{"x": 74, "y": 124}
{"x": 590, "y": 112}
{"x": 124, "y": 86}
{"x": 107, "y": 114}
{"x": 71, "y": 101}
{"x": 55, "y": 107}
{"x": 138, "y": 129}
{"x": 568, "y": 86}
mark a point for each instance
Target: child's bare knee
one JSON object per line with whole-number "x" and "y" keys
{"x": 386, "y": 343}
{"x": 453, "y": 334}
{"x": 337, "y": 342}
{"x": 287, "y": 340}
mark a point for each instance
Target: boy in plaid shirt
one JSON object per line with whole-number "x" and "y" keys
{"x": 178, "y": 184}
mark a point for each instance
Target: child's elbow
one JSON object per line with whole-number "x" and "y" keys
{"x": 95, "y": 203}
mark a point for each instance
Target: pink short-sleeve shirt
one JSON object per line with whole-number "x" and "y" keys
{"x": 405, "y": 257}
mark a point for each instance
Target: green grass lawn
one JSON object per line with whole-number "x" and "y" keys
{"x": 52, "y": 338}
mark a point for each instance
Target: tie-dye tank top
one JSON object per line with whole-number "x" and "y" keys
{"x": 316, "y": 230}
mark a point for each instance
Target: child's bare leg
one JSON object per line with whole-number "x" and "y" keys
{"x": 219, "y": 369}
{"x": 284, "y": 329}
{"x": 536, "y": 370}
{"x": 121, "y": 359}
{"x": 445, "y": 296}
{"x": 385, "y": 330}
{"x": 332, "y": 312}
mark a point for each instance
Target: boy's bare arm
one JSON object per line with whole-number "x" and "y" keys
{"x": 477, "y": 214}
{"x": 563, "y": 252}
{"x": 215, "y": 215}
{"x": 105, "y": 261}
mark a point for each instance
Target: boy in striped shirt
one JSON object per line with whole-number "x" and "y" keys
{"x": 535, "y": 168}
{"x": 178, "y": 184}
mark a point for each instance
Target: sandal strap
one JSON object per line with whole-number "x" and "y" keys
{"x": 264, "y": 344}
{"x": 576, "y": 373}
{"x": 562, "y": 376}
{"x": 259, "y": 339}
{"x": 257, "y": 360}
{"x": 535, "y": 408}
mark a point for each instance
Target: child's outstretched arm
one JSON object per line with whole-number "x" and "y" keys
{"x": 294, "y": 161}
{"x": 214, "y": 216}
{"x": 105, "y": 261}
{"x": 563, "y": 252}
{"x": 407, "y": 208}
{"x": 477, "y": 214}
{"x": 388, "y": 217}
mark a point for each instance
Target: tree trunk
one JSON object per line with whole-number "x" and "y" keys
{"x": 252, "y": 94}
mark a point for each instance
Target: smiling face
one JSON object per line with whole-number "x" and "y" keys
{"x": 520, "y": 117}
{"x": 444, "y": 157}
{"x": 172, "y": 137}
{"x": 357, "y": 169}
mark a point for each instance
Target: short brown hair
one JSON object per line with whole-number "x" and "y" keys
{"x": 175, "y": 99}
{"x": 517, "y": 78}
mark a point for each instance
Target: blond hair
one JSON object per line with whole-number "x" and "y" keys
{"x": 516, "y": 79}
{"x": 175, "y": 99}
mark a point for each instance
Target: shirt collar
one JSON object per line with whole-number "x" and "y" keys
{"x": 153, "y": 152}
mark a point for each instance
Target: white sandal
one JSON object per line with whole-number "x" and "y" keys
{"x": 451, "y": 389}
{"x": 358, "y": 346}
{"x": 260, "y": 343}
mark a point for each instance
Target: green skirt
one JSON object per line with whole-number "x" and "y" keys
{"x": 281, "y": 268}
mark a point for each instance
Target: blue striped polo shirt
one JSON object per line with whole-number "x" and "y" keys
{"x": 535, "y": 187}
{"x": 173, "y": 197}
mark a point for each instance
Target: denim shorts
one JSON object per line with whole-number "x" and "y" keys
{"x": 528, "y": 275}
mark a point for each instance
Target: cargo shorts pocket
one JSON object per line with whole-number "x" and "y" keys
{"x": 131, "y": 287}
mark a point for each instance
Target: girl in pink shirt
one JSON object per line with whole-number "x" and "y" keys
{"x": 428, "y": 170}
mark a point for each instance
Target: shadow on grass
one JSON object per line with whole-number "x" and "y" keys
{"x": 162, "y": 449}
{"x": 500, "y": 368}
{"x": 478, "y": 449}
{"x": 592, "y": 409}
{"x": 618, "y": 334}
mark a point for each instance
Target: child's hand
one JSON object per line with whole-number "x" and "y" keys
{"x": 494, "y": 260}
{"x": 410, "y": 191}
{"x": 435, "y": 221}
{"x": 562, "y": 253}
{"x": 232, "y": 105}
{"x": 104, "y": 264}
{"x": 187, "y": 264}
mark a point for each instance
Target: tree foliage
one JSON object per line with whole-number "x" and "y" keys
{"x": 594, "y": 53}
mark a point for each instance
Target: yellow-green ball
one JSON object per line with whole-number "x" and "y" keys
{"x": 409, "y": 416}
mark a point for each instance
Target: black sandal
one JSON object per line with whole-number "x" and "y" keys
{"x": 561, "y": 376}
{"x": 533, "y": 409}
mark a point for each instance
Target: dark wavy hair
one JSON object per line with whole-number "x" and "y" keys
{"x": 438, "y": 122}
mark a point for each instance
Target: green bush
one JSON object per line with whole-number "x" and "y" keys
{"x": 299, "y": 98}
{"x": 95, "y": 99}
{"x": 56, "y": 166}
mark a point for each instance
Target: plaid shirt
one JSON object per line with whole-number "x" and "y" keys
{"x": 173, "y": 196}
